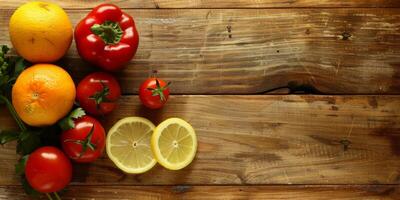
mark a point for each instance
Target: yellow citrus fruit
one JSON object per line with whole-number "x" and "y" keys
{"x": 174, "y": 143}
{"x": 128, "y": 145}
{"x": 43, "y": 94}
{"x": 40, "y": 32}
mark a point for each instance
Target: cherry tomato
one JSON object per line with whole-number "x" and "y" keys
{"x": 48, "y": 169}
{"x": 98, "y": 92}
{"x": 85, "y": 142}
{"x": 154, "y": 93}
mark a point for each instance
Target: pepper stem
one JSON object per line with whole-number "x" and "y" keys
{"x": 110, "y": 32}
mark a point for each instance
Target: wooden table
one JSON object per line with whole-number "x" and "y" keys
{"x": 232, "y": 64}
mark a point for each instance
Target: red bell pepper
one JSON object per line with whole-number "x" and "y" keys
{"x": 107, "y": 37}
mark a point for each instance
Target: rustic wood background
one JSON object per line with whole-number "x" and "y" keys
{"x": 232, "y": 64}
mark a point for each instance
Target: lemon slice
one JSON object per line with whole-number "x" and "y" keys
{"x": 174, "y": 143}
{"x": 128, "y": 145}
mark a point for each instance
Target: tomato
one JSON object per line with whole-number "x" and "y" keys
{"x": 85, "y": 142}
{"x": 48, "y": 169}
{"x": 154, "y": 93}
{"x": 98, "y": 92}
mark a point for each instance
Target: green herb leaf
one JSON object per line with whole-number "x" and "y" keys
{"x": 10, "y": 68}
{"x": 8, "y": 136}
{"x": 68, "y": 122}
{"x": 4, "y": 80}
{"x": 28, "y": 188}
{"x": 28, "y": 141}
{"x": 20, "y": 166}
{"x": 19, "y": 66}
{"x": 4, "y": 49}
{"x": 4, "y": 67}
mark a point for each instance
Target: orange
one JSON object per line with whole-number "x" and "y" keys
{"x": 43, "y": 94}
{"x": 40, "y": 32}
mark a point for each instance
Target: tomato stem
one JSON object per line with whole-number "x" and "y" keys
{"x": 87, "y": 143}
{"x": 14, "y": 113}
{"x": 101, "y": 96}
{"x": 158, "y": 91}
{"x": 57, "y": 196}
{"x": 49, "y": 196}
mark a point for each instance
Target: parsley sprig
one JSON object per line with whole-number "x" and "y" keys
{"x": 28, "y": 139}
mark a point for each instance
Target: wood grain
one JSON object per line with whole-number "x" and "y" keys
{"x": 372, "y": 192}
{"x": 264, "y": 140}
{"x": 339, "y": 51}
{"x": 329, "y": 147}
{"x": 78, "y": 4}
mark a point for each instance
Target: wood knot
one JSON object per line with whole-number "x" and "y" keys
{"x": 181, "y": 188}
{"x": 346, "y": 144}
{"x": 229, "y": 29}
{"x": 346, "y": 35}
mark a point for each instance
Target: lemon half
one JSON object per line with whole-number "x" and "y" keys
{"x": 174, "y": 143}
{"x": 128, "y": 145}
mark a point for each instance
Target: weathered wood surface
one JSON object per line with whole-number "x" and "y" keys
{"x": 264, "y": 140}
{"x": 247, "y": 142}
{"x": 371, "y": 192}
{"x": 77, "y": 4}
{"x": 202, "y": 51}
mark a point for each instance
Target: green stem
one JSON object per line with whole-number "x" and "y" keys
{"x": 10, "y": 107}
{"x": 49, "y": 196}
{"x": 57, "y": 196}
{"x": 101, "y": 96}
{"x": 110, "y": 32}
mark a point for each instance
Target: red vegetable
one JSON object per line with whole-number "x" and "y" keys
{"x": 85, "y": 142}
{"x": 154, "y": 93}
{"x": 107, "y": 37}
{"x": 98, "y": 92}
{"x": 48, "y": 170}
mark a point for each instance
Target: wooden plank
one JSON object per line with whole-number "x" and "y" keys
{"x": 372, "y": 192}
{"x": 78, "y": 4}
{"x": 264, "y": 140}
{"x": 339, "y": 51}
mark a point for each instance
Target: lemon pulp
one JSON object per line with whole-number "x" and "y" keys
{"x": 128, "y": 145}
{"x": 174, "y": 143}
